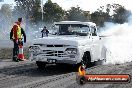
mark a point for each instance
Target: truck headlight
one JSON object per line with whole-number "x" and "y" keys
{"x": 71, "y": 51}
{"x": 34, "y": 48}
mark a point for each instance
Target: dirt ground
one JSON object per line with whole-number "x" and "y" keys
{"x": 28, "y": 76}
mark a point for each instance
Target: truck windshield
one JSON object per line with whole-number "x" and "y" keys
{"x": 73, "y": 29}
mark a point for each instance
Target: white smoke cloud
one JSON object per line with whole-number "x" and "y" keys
{"x": 118, "y": 42}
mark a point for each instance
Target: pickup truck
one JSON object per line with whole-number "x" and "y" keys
{"x": 72, "y": 42}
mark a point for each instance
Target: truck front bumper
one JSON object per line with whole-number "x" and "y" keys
{"x": 51, "y": 60}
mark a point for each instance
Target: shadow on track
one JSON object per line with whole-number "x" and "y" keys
{"x": 31, "y": 70}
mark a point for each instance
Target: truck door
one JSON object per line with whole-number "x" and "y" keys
{"x": 96, "y": 44}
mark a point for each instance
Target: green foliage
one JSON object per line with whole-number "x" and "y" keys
{"x": 6, "y": 11}
{"x": 121, "y": 14}
{"x": 77, "y": 14}
{"x": 100, "y": 17}
{"x": 36, "y": 11}
{"x": 32, "y": 12}
{"x": 52, "y": 12}
{"x": 29, "y": 9}
{"x": 5, "y": 18}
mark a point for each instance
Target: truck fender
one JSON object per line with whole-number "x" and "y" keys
{"x": 86, "y": 50}
{"x": 103, "y": 53}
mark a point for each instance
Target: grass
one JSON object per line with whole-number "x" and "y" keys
{"x": 7, "y": 53}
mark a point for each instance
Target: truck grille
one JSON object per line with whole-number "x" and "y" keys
{"x": 45, "y": 45}
{"x": 54, "y": 45}
{"x": 51, "y": 53}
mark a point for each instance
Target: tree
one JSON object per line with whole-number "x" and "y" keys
{"x": 120, "y": 14}
{"x": 30, "y": 10}
{"x": 5, "y": 19}
{"x": 77, "y": 14}
{"x": 36, "y": 11}
{"x": 52, "y": 12}
{"x": 6, "y": 10}
{"x": 5, "y": 15}
{"x": 100, "y": 16}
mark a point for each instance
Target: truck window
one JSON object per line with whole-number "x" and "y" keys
{"x": 93, "y": 30}
{"x": 63, "y": 30}
{"x": 73, "y": 29}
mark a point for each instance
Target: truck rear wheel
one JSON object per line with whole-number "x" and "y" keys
{"x": 41, "y": 65}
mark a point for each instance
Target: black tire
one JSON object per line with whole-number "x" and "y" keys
{"x": 41, "y": 65}
{"x": 81, "y": 80}
{"x": 86, "y": 60}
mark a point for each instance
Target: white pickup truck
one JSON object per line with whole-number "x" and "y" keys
{"x": 71, "y": 42}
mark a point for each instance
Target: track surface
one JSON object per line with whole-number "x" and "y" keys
{"x": 26, "y": 75}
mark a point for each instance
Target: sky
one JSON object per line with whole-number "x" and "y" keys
{"x": 87, "y": 5}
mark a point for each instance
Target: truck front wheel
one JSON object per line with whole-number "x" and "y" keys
{"x": 40, "y": 64}
{"x": 86, "y": 60}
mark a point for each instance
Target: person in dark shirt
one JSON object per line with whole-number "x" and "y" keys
{"x": 45, "y": 32}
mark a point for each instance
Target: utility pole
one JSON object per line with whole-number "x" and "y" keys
{"x": 42, "y": 10}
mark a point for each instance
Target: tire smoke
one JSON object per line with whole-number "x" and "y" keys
{"x": 118, "y": 42}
